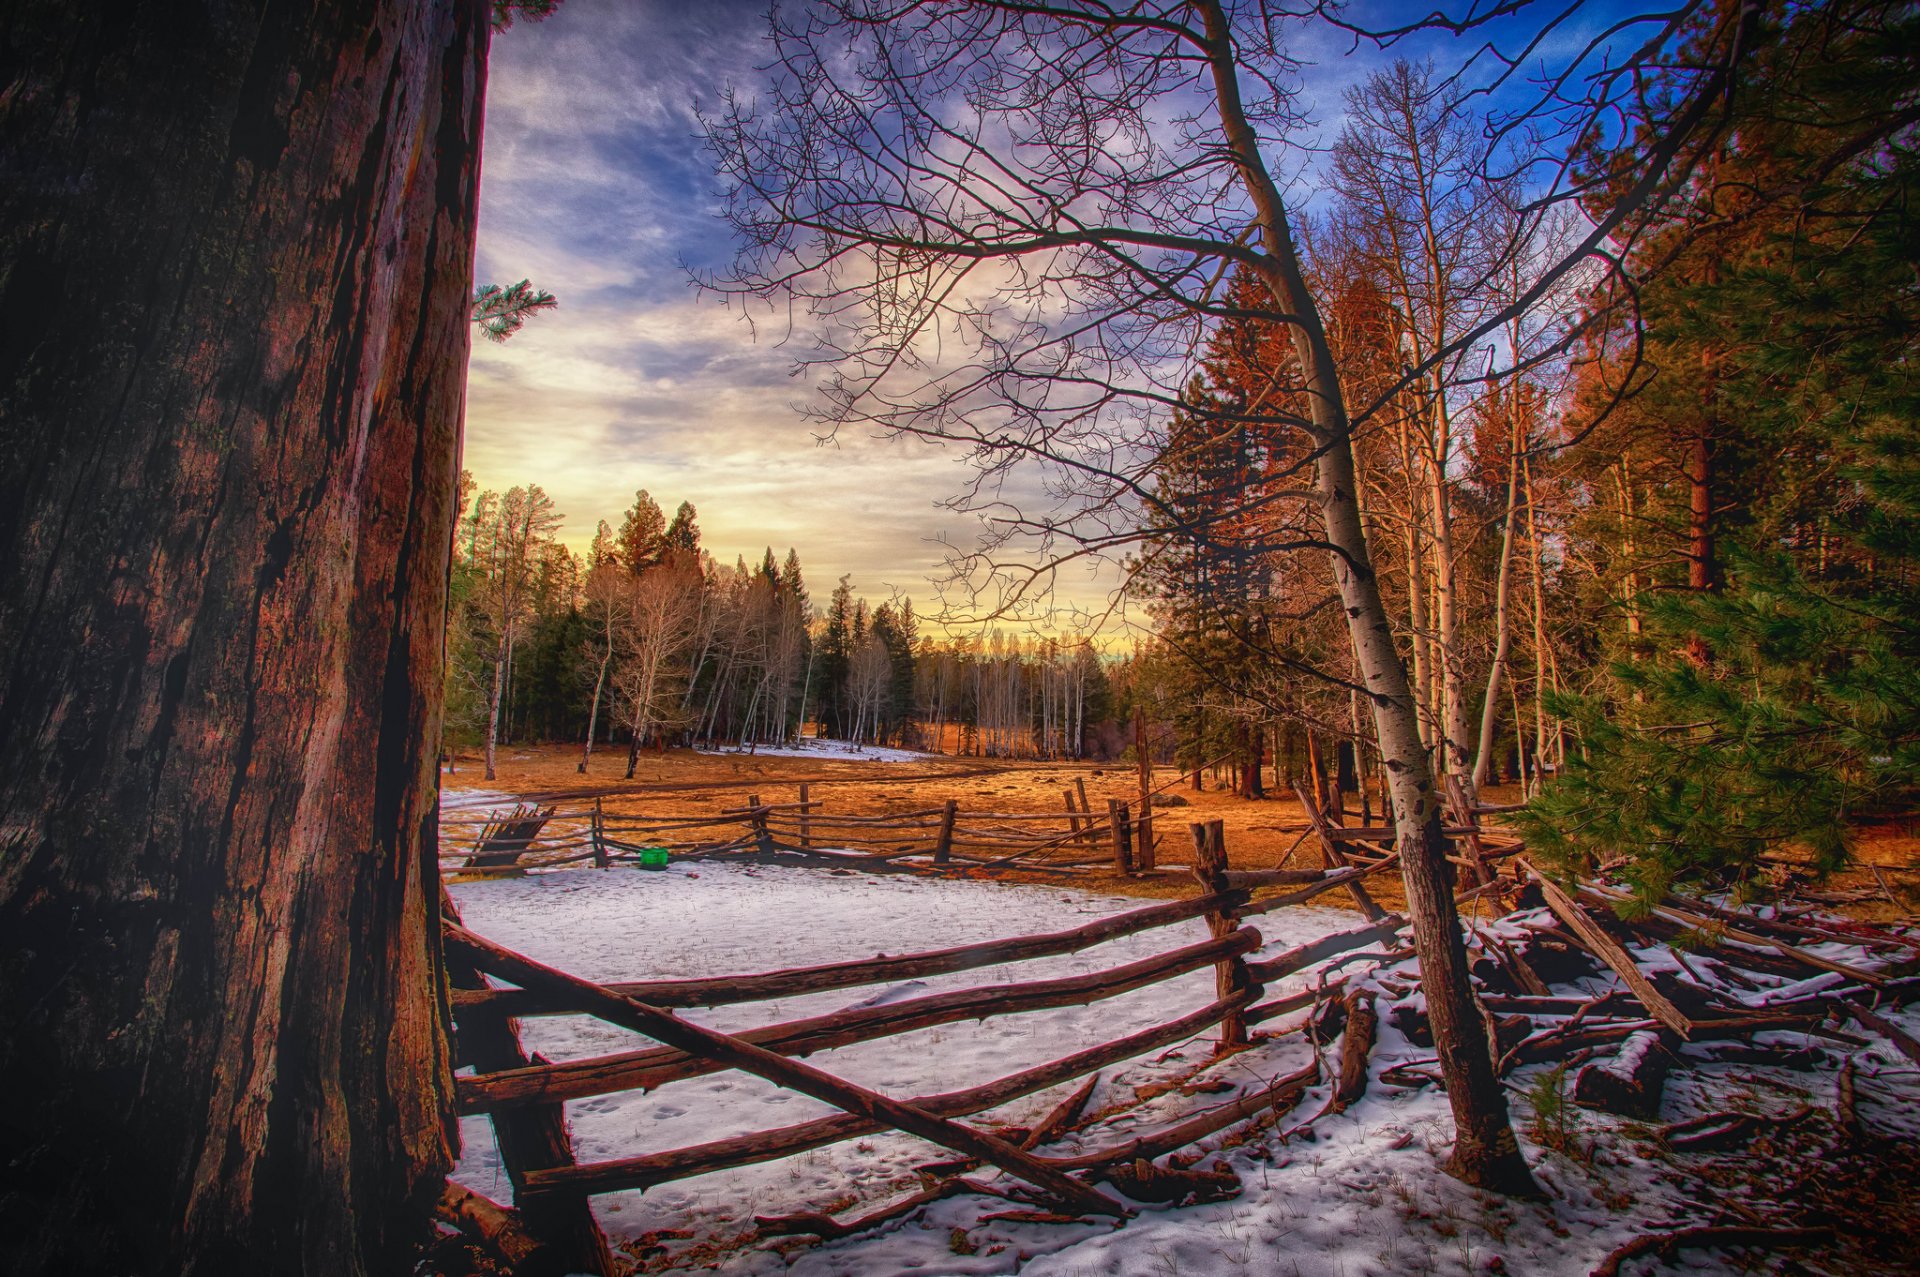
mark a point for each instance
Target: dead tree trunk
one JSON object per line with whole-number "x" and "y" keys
{"x": 239, "y": 252}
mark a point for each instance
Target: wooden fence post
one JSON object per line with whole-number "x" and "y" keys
{"x": 1073, "y": 817}
{"x": 758, "y": 816}
{"x": 1122, "y": 835}
{"x": 1086, "y": 808}
{"x": 806, "y": 810}
{"x": 1230, "y": 976}
{"x": 534, "y": 1138}
{"x": 943, "y": 849}
{"x": 599, "y": 836}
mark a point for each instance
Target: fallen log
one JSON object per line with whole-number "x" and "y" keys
{"x": 1061, "y": 1115}
{"x": 724, "y": 990}
{"x": 1713, "y": 1131}
{"x": 1356, "y": 1046}
{"x": 1902, "y": 1040}
{"x": 1631, "y": 1083}
{"x": 764, "y": 1146}
{"x": 656, "y": 1066}
{"x": 732, "y": 1052}
{"x": 1145, "y": 1182}
{"x": 827, "y": 1228}
{"x": 497, "y": 1226}
{"x": 1609, "y": 951}
{"x": 1283, "y": 1092}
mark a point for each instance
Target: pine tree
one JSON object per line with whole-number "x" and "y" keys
{"x": 1763, "y": 714}
{"x": 643, "y": 540}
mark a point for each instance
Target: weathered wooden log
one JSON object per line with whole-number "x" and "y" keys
{"x": 1283, "y": 1092}
{"x": 1698, "y": 923}
{"x": 1145, "y": 1182}
{"x": 1903, "y": 1041}
{"x": 1630, "y": 1083}
{"x": 496, "y": 1225}
{"x": 724, "y": 990}
{"x": 765, "y": 1146}
{"x": 1062, "y": 1115}
{"x": 731, "y": 1052}
{"x": 656, "y": 1066}
{"x": 1356, "y": 1047}
{"x": 1267, "y": 970}
{"x": 1609, "y": 951}
{"x": 1710, "y": 1132}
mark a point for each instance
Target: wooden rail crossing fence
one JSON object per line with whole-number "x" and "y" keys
{"x": 523, "y": 1094}
{"x": 944, "y": 839}
{"x": 1560, "y": 984}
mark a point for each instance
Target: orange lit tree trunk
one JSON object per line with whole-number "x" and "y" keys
{"x": 236, "y": 249}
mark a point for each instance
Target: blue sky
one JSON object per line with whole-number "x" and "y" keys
{"x": 595, "y": 185}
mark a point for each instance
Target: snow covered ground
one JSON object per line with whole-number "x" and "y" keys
{"x": 838, "y": 750}
{"x": 1356, "y": 1194}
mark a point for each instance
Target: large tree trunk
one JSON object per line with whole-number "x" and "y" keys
{"x": 236, "y": 249}
{"x": 1485, "y": 1152}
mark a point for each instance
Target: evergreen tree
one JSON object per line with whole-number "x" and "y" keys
{"x": 1764, "y": 712}
{"x": 643, "y": 541}
{"x": 683, "y": 534}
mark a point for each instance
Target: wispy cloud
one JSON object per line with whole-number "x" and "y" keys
{"x": 595, "y": 185}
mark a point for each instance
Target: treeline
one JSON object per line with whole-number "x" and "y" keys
{"x": 1667, "y": 562}
{"x": 649, "y": 641}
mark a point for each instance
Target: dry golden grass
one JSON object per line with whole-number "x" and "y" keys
{"x": 1260, "y": 833}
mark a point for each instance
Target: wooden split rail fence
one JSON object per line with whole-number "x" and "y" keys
{"x": 523, "y": 1094}
{"x": 928, "y": 840}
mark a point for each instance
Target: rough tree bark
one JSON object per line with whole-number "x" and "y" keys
{"x": 236, "y": 249}
{"x": 1485, "y": 1152}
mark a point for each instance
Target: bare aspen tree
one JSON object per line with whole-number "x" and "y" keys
{"x": 523, "y": 524}
{"x": 1012, "y": 225}
{"x": 608, "y": 588}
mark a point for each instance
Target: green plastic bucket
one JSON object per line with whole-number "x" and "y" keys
{"x": 653, "y": 857}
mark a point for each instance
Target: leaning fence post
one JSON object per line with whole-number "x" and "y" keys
{"x": 1122, "y": 835}
{"x": 1086, "y": 808}
{"x": 943, "y": 849}
{"x": 806, "y": 809}
{"x": 1073, "y": 817}
{"x": 1230, "y": 976}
